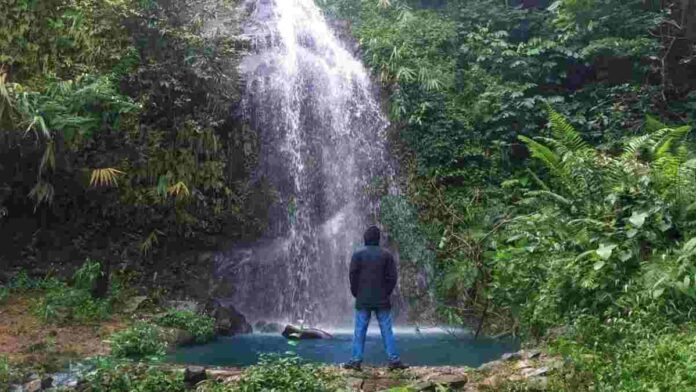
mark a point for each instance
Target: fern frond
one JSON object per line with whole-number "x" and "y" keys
{"x": 652, "y": 124}
{"x": 179, "y": 190}
{"x": 663, "y": 146}
{"x": 542, "y": 153}
{"x": 48, "y": 160}
{"x": 550, "y": 195}
{"x": 150, "y": 241}
{"x": 638, "y": 143}
{"x": 105, "y": 177}
{"x": 42, "y": 192}
{"x": 565, "y": 133}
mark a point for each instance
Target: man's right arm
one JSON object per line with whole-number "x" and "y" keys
{"x": 354, "y": 274}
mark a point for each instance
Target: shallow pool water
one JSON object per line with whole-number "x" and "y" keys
{"x": 431, "y": 348}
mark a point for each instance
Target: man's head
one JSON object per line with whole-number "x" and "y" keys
{"x": 372, "y": 236}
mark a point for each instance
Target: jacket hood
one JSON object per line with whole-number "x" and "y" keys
{"x": 372, "y": 236}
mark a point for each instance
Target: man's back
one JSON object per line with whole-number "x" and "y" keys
{"x": 372, "y": 280}
{"x": 373, "y": 277}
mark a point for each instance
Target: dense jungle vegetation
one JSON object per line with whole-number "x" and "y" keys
{"x": 116, "y": 122}
{"x": 548, "y": 168}
{"x": 550, "y": 171}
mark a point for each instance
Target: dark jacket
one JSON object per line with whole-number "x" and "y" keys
{"x": 372, "y": 276}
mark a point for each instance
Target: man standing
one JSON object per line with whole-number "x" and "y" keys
{"x": 372, "y": 279}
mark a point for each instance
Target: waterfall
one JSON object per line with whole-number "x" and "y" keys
{"x": 322, "y": 144}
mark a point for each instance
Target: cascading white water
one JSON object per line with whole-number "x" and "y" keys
{"x": 322, "y": 143}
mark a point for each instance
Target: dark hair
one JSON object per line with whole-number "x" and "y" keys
{"x": 372, "y": 235}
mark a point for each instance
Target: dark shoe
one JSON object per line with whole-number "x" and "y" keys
{"x": 352, "y": 365}
{"x": 398, "y": 365}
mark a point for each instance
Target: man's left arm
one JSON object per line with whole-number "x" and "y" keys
{"x": 353, "y": 275}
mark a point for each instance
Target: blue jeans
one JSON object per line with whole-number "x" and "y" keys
{"x": 362, "y": 321}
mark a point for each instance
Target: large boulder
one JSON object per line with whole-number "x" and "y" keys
{"x": 177, "y": 337}
{"x": 296, "y": 333}
{"x": 267, "y": 327}
{"x": 191, "y": 306}
{"x": 194, "y": 374}
{"x": 228, "y": 321}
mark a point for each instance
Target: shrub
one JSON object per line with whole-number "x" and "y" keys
{"x": 286, "y": 373}
{"x": 63, "y": 303}
{"x": 126, "y": 377}
{"x": 200, "y": 326}
{"x": 140, "y": 340}
{"x": 23, "y": 282}
{"x": 642, "y": 353}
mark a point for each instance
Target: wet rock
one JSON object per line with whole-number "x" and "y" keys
{"x": 490, "y": 365}
{"x": 32, "y": 386}
{"x": 226, "y": 375}
{"x": 228, "y": 321}
{"x": 295, "y": 333}
{"x": 446, "y": 381}
{"x": 264, "y": 327}
{"x": 523, "y": 364}
{"x": 194, "y": 374}
{"x": 493, "y": 381}
{"x": 532, "y": 354}
{"x": 180, "y": 337}
{"x": 536, "y": 372}
{"x": 133, "y": 303}
{"x": 191, "y": 306}
{"x": 46, "y": 382}
{"x": 354, "y": 384}
{"x": 511, "y": 356}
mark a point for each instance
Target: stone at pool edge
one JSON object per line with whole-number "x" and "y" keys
{"x": 194, "y": 374}
{"x": 228, "y": 321}
{"x": 267, "y": 327}
{"x": 449, "y": 381}
{"x": 295, "y": 333}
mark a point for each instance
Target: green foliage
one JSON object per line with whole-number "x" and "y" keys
{"x": 400, "y": 217}
{"x": 113, "y": 376}
{"x": 285, "y": 373}
{"x": 74, "y": 303}
{"x": 71, "y": 72}
{"x": 142, "y": 339}
{"x": 23, "y": 282}
{"x": 6, "y": 371}
{"x": 74, "y": 109}
{"x": 61, "y": 37}
{"x": 604, "y": 234}
{"x": 636, "y": 353}
{"x": 200, "y": 326}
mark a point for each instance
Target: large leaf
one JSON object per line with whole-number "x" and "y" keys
{"x": 605, "y": 250}
{"x": 637, "y": 219}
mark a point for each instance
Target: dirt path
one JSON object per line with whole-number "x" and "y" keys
{"x": 25, "y": 340}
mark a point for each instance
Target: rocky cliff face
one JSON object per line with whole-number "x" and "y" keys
{"x": 184, "y": 77}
